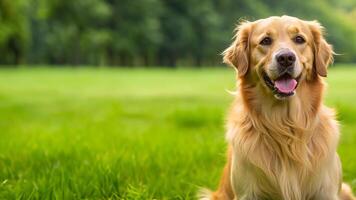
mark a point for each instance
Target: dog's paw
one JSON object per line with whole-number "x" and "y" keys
{"x": 346, "y": 192}
{"x": 204, "y": 194}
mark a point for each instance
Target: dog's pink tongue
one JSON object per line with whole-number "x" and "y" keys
{"x": 285, "y": 85}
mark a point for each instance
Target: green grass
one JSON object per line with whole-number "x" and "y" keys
{"x": 127, "y": 133}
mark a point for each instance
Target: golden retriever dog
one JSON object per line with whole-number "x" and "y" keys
{"x": 282, "y": 138}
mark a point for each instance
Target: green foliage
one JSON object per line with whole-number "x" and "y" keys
{"x": 128, "y": 133}
{"x": 150, "y": 32}
{"x": 14, "y": 32}
{"x": 76, "y": 31}
{"x": 135, "y": 30}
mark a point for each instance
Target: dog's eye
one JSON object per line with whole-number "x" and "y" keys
{"x": 266, "y": 41}
{"x": 299, "y": 40}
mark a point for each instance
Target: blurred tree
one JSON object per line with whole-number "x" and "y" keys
{"x": 76, "y": 31}
{"x": 14, "y": 32}
{"x": 136, "y": 33}
{"x": 150, "y": 32}
{"x": 177, "y": 32}
{"x": 205, "y": 26}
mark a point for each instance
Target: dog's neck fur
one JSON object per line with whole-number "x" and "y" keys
{"x": 287, "y": 123}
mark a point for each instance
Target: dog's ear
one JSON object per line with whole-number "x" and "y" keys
{"x": 323, "y": 52}
{"x": 237, "y": 54}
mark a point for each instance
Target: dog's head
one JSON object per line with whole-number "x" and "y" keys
{"x": 279, "y": 53}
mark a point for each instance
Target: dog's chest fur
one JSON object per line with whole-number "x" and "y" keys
{"x": 282, "y": 157}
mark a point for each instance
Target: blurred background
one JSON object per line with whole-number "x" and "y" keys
{"x": 126, "y": 99}
{"x": 150, "y": 32}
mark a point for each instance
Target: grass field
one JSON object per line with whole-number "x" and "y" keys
{"x": 128, "y": 133}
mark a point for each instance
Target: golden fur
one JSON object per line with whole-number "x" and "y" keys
{"x": 281, "y": 149}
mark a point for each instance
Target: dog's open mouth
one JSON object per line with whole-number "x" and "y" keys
{"x": 283, "y": 86}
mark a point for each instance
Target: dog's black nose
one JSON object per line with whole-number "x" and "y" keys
{"x": 285, "y": 58}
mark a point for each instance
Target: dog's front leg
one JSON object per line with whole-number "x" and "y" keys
{"x": 224, "y": 192}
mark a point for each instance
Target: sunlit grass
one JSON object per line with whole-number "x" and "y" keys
{"x": 127, "y": 133}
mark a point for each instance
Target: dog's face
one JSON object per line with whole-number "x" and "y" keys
{"x": 279, "y": 53}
